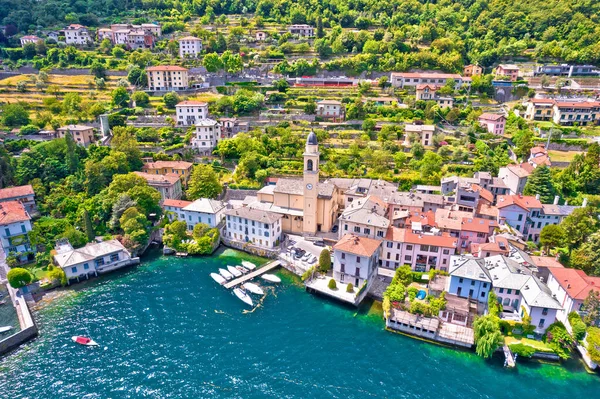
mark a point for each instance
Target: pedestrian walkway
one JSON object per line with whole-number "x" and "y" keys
{"x": 269, "y": 266}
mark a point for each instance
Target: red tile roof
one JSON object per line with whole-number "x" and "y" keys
{"x": 442, "y": 240}
{"x": 166, "y": 68}
{"x": 483, "y": 193}
{"x": 522, "y": 201}
{"x": 361, "y": 246}
{"x": 575, "y": 282}
{"x": 12, "y": 212}
{"x": 424, "y": 86}
{"x": 170, "y": 178}
{"x": 538, "y": 150}
{"x": 478, "y": 225}
{"x": 427, "y": 75}
{"x": 176, "y": 203}
{"x": 546, "y": 261}
{"x": 15, "y": 192}
{"x": 491, "y": 117}
{"x": 168, "y": 164}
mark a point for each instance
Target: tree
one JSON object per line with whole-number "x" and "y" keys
{"x": 281, "y": 85}
{"x": 137, "y": 76}
{"x": 141, "y": 99}
{"x": 324, "y": 261}
{"x": 232, "y": 63}
{"x": 350, "y": 288}
{"x": 120, "y": 97}
{"x": 171, "y": 99}
{"x": 332, "y": 285}
{"x": 552, "y": 236}
{"x": 15, "y": 115}
{"x": 591, "y": 307}
{"x": 540, "y": 182}
{"x": 98, "y": 69}
{"x": 124, "y": 141}
{"x": 430, "y": 165}
{"x": 212, "y": 62}
{"x": 403, "y": 275}
{"x": 89, "y": 229}
{"x": 310, "y": 107}
{"x": 523, "y": 140}
{"x": 204, "y": 183}
{"x": 579, "y": 225}
{"x": 58, "y": 274}
{"x": 19, "y": 277}
{"x": 320, "y": 32}
{"x": 72, "y": 158}
{"x": 587, "y": 256}
{"x": 488, "y": 336}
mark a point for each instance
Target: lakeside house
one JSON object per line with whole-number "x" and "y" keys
{"x": 15, "y": 225}
{"x": 355, "y": 260}
{"x": 253, "y": 226}
{"x": 168, "y": 185}
{"x": 93, "y": 259}
{"x": 202, "y": 210}
{"x": 571, "y": 287}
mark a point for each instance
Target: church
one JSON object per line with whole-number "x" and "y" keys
{"x": 307, "y": 205}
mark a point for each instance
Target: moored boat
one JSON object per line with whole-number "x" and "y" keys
{"x": 84, "y": 341}
{"x": 5, "y": 329}
{"x": 253, "y": 288}
{"x": 248, "y": 265}
{"x": 242, "y": 269}
{"x": 271, "y": 277}
{"x": 226, "y": 274}
{"x": 241, "y": 294}
{"x": 234, "y": 271}
{"x": 218, "y": 278}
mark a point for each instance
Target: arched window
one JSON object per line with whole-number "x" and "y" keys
{"x": 506, "y": 302}
{"x": 309, "y": 165}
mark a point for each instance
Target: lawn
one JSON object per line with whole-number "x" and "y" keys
{"x": 562, "y": 156}
{"x": 538, "y": 345}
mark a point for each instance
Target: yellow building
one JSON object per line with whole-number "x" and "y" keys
{"x": 307, "y": 205}
{"x": 180, "y": 168}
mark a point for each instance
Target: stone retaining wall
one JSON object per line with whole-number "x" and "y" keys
{"x": 28, "y": 328}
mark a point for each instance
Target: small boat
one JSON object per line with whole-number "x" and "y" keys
{"x": 271, "y": 277}
{"x": 248, "y": 265}
{"x": 84, "y": 341}
{"x": 242, "y": 295}
{"x": 226, "y": 274}
{"x": 234, "y": 271}
{"x": 5, "y": 329}
{"x": 242, "y": 269}
{"x": 218, "y": 278}
{"x": 253, "y": 288}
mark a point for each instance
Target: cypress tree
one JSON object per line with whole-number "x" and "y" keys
{"x": 540, "y": 182}
{"x": 72, "y": 158}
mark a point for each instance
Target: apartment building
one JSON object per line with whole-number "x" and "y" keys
{"x": 77, "y": 35}
{"x": 208, "y": 134}
{"x": 413, "y": 79}
{"x": 83, "y": 135}
{"x": 515, "y": 176}
{"x": 188, "y": 113}
{"x": 190, "y": 47}
{"x": 254, "y": 226}
{"x": 302, "y": 30}
{"x": 365, "y": 217}
{"x": 167, "y": 78}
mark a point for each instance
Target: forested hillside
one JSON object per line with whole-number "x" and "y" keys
{"x": 475, "y": 31}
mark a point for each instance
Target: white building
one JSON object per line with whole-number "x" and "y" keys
{"x": 92, "y": 259}
{"x": 167, "y": 78}
{"x": 77, "y": 35}
{"x": 329, "y": 109}
{"x": 189, "y": 112}
{"x": 202, "y": 210}
{"x": 260, "y": 228}
{"x": 469, "y": 278}
{"x": 425, "y": 133}
{"x": 571, "y": 287}
{"x": 515, "y": 176}
{"x": 413, "y": 79}
{"x": 208, "y": 134}
{"x": 190, "y": 47}
{"x": 302, "y": 30}
{"x": 29, "y": 39}
{"x": 365, "y": 217}
{"x": 355, "y": 259}
{"x": 15, "y": 225}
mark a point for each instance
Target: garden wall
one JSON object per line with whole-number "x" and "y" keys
{"x": 28, "y": 328}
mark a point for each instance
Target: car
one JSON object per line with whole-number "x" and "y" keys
{"x": 306, "y": 257}
{"x": 335, "y": 228}
{"x": 312, "y": 260}
{"x": 290, "y": 248}
{"x": 319, "y": 243}
{"x": 299, "y": 253}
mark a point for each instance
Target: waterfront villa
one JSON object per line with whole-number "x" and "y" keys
{"x": 254, "y": 226}
{"x": 92, "y": 259}
{"x": 169, "y": 185}
{"x": 202, "y": 210}
{"x": 23, "y": 194}
{"x": 15, "y": 225}
{"x": 571, "y": 287}
{"x": 355, "y": 260}
{"x": 469, "y": 278}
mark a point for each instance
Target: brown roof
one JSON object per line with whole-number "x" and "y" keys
{"x": 491, "y": 117}
{"x": 575, "y": 282}
{"x": 538, "y": 150}
{"x": 542, "y": 101}
{"x": 577, "y": 104}
{"x": 190, "y": 103}
{"x": 176, "y": 203}
{"x": 546, "y": 261}
{"x": 523, "y": 201}
{"x": 487, "y": 210}
{"x": 169, "y": 178}
{"x": 168, "y": 164}
{"x": 166, "y": 68}
{"x": 12, "y": 212}
{"x": 15, "y": 192}
{"x": 424, "y": 86}
{"x": 442, "y": 240}
{"x": 361, "y": 246}
{"x": 520, "y": 170}
{"x": 483, "y": 193}
{"x": 478, "y": 225}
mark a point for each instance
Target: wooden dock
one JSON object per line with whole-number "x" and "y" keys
{"x": 255, "y": 273}
{"x": 509, "y": 359}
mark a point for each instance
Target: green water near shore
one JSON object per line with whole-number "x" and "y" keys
{"x": 167, "y": 330}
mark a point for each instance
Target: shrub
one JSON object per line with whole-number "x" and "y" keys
{"x": 396, "y": 292}
{"x": 522, "y": 350}
{"x": 559, "y": 340}
{"x": 324, "y": 261}
{"x": 306, "y": 275}
{"x": 577, "y": 325}
{"x": 350, "y": 288}
{"x": 412, "y": 293}
{"x": 19, "y": 277}
{"x": 332, "y": 285}
{"x": 593, "y": 340}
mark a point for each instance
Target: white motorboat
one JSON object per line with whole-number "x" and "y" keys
{"x": 242, "y": 269}
{"x": 271, "y": 277}
{"x": 5, "y": 329}
{"x": 234, "y": 271}
{"x": 253, "y": 288}
{"x": 84, "y": 341}
{"x": 226, "y": 274}
{"x": 248, "y": 265}
{"x": 242, "y": 295}
{"x": 218, "y": 278}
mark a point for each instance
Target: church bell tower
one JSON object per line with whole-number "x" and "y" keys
{"x": 311, "y": 183}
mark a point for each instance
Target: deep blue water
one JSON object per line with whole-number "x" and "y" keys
{"x": 166, "y": 330}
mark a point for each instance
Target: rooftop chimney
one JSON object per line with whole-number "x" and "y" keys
{"x": 537, "y": 197}
{"x": 556, "y": 198}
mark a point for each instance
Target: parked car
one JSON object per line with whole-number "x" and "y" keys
{"x": 306, "y": 257}
{"x": 319, "y": 243}
{"x": 312, "y": 260}
{"x": 299, "y": 253}
{"x": 335, "y": 228}
{"x": 290, "y": 248}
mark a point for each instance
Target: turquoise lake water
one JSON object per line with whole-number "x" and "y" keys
{"x": 167, "y": 330}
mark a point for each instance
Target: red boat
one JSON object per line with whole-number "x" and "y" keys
{"x": 84, "y": 341}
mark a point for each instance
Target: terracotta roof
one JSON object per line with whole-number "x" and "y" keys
{"x": 168, "y": 164}
{"x": 395, "y": 234}
{"x": 356, "y": 245}
{"x": 527, "y": 166}
{"x": 30, "y": 37}
{"x": 577, "y": 104}
{"x": 541, "y": 160}
{"x": 166, "y": 68}
{"x": 190, "y": 103}
{"x": 483, "y": 193}
{"x": 522, "y": 201}
{"x": 546, "y": 261}
{"x": 538, "y": 150}
{"x": 12, "y": 212}
{"x": 176, "y": 203}
{"x": 169, "y": 178}
{"x": 491, "y": 117}
{"x": 424, "y": 86}
{"x": 575, "y": 282}
{"x": 190, "y": 38}
{"x": 520, "y": 170}
{"x": 425, "y": 218}
{"x": 478, "y": 225}
{"x": 15, "y": 192}
{"x": 76, "y": 26}
{"x": 441, "y": 240}
{"x": 487, "y": 210}
{"x": 496, "y": 244}
{"x": 542, "y": 101}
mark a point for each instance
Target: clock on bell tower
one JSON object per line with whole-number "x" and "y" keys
{"x": 311, "y": 183}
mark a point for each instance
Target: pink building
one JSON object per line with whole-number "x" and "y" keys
{"x": 422, "y": 251}
{"x": 465, "y": 227}
{"x": 494, "y": 123}
{"x": 512, "y": 71}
